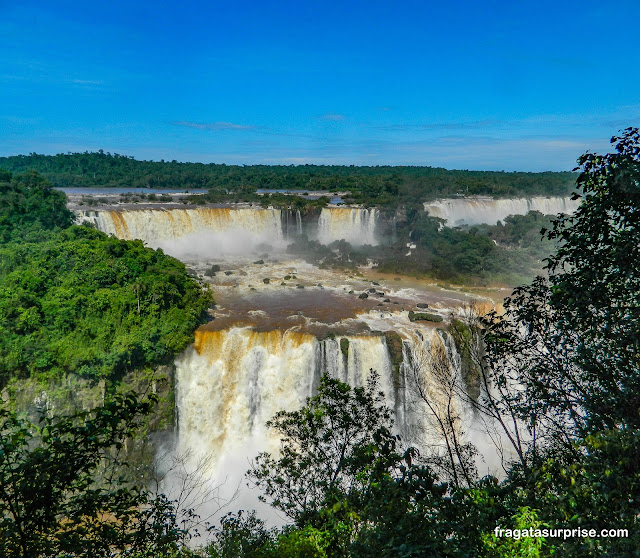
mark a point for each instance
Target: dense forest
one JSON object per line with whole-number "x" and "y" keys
{"x": 74, "y": 300}
{"x": 383, "y": 185}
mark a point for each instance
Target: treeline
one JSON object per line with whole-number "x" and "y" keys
{"x": 382, "y": 185}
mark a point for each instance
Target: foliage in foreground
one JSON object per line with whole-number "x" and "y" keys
{"x": 348, "y": 485}
{"x": 62, "y": 493}
{"x": 572, "y": 343}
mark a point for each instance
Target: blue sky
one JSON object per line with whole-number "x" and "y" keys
{"x": 507, "y": 85}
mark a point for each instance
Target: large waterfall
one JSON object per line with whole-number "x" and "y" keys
{"x": 193, "y": 232}
{"x": 162, "y": 224}
{"x": 225, "y": 230}
{"x": 230, "y": 382}
{"x": 476, "y": 210}
{"x": 355, "y": 225}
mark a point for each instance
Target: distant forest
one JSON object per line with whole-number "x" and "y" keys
{"x": 384, "y": 185}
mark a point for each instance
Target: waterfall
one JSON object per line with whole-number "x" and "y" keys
{"x": 476, "y": 210}
{"x": 291, "y": 223}
{"x": 193, "y": 232}
{"x": 231, "y": 382}
{"x": 355, "y": 225}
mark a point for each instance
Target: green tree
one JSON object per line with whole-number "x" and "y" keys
{"x": 82, "y": 302}
{"x": 351, "y": 490}
{"x": 335, "y": 445}
{"x": 566, "y": 357}
{"x": 28, "y": 203}
{"x": 64, "y": 491}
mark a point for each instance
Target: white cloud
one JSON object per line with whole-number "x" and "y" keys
{"x": 333, "y": 116}
{"x": 214, "y": 126}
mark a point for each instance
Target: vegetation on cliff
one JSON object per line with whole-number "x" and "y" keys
{"x": 73, "y": 300}
{"x": 509, "y": 252}
{"x": 77, "y": 306}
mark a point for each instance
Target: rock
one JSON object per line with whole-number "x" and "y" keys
{"x": 228, "y": 272}
{"x": 344, "y": 346}
{"x": 426, "y": 317}
{"x": 387, "y": 300}
{"x": 372, "y": 290}
{"x": 299, "y": 286}
{"x": 422, "y": 305}
{"x": 266, "y": 280}
{"x": 287, "y": 277}
{"x": 211, "y": 272}
{"x": 375, "y": 283}
{"x": 363, "y": 295}
{"x": 259, "y": 262}
{"x": 394, "y": 344}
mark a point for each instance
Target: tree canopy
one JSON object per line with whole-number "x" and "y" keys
{"x": 28, "y": 204}
{"x": 381, "y": 185}
{"x": 568, "y": 347}
{"x": 74, "y": 300}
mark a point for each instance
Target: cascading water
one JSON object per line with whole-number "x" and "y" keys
{"x": 476, "y": 210}
{"x": 291, "y": 223}
{"x": 194, "y": 233}
{"x": 215, "y": 231}
{"x": 231, "y": 382}
{"x": 353, "y": 224}
{"x": 151, "y": 225}
{"x": 280, "y": 324}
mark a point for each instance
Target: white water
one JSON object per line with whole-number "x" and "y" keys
{"x": 193, "y": 233}
{"x": 355, "y": 225}
{"x": 232, "y": 381}
{"x": 473, "y": 211}
{"x": 211, "y": 232}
